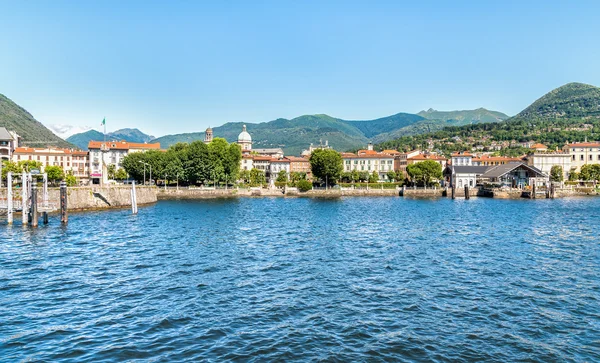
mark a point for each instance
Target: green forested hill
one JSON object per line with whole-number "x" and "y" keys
{"x": 464, "y": 117}
{"x": 297, "y": 134}
{"x": 566, "y": 114}
{"x": 32, "y": 132}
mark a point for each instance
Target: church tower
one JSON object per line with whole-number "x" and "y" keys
{"x": 208, "y": 135}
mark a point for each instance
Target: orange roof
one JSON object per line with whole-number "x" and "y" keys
{"x": 584, "y": 144}
{"x": 297, "y": 159}
{"x": 539, "y": 146}
{"x": 367, "y": 152}
{"x": 463, "y": 153}
{"x": 427, "y": 157}
{"x": 366, "y": 156}
{"x": 38, "y": 150}
{"x": 122, "y": 145}
{"x": 495, "y": 158}
{"x": 391, "y": 152}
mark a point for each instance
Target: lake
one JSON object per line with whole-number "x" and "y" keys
{"x": 274, "y": 279}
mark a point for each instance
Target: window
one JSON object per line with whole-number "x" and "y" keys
{"x": 590, "y": 157}
{"x": 581, "y": 157}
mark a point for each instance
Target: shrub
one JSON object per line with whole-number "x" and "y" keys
{"x": 304, "y": 185}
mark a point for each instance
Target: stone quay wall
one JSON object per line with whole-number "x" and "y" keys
{"x": 82, "y": 198}
{"x": 184, "y": 193}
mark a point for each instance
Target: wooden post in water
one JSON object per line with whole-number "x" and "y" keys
{"x": 453, "y": 192}
{"x": 134, "y": 208}
{"x": 9, "y": 198}
{"x": 34, "y": 207}
{"x": 533, "y": 192}
{"x": 403, "y": 190}
{"x": 24, "y": 200}
{"x": 64, "y": 217}
{"x": 467, "y": 196}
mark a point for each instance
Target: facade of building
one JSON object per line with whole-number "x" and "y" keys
{"x": 369, "y": 161}
{"x": 460, "y": 176}
{"x": 401, "y": 161}
{"x": 464, "y": 158}
{"x": 545, "y": 160}
{"x": 486, "y": 160}
{"x": 247, "y": 162}
{"x": 312, "y": 148}
{"x": 70, "y": 161}
{"x": 102, "y": 154}
{"x": 300, "y": 165}
{"x": 515, "y": 175}
{"x": 278, "y": 165}
{"x": 423, "y": 157}
{"x": 276, "y": 153}
{"x": 9, "y": 141}
{"x": 208, "y": 136}
{"x": 583, "y": 153}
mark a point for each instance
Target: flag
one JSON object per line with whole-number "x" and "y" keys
{"x": 103, "y": 122}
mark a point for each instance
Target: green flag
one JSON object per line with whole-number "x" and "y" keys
{"x": 103, "y": 122}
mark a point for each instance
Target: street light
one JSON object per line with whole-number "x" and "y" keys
{"x": 144, "y": 171}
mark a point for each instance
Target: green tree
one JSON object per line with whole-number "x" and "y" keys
{"x": 282, "y": 177}
{"x": 54, "y": 173}
{"x": 590, "y": 172}
{"x": 70, "y": 179}
{"x": 110, "y": 170}
{"x": 326, "y": 164}
{"x": 556, "y": 173}
{"x": 573, "y": 175}
{"x": 355, "y": 175}
{"x": 363, "y": 176}
{"x": 121, "y": 174}
{"x": 374, "y": 178}
{"x": 391, "y": 175}
{"x": 426, "y": 171}
{"x": 29, "y": 165}
{"x": 245, "y": 176}
{"x": 304, "y": 185}
{"x": 7, "y": 166}
{"x": 257, "y": 177}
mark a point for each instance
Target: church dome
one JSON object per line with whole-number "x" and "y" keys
{"x": 244, "y": 136}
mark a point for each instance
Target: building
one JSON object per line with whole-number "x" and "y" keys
{"x": 486, "y": 160}
{"x": 102, "y": 154}
{"x": 300, "y": 165}
{"x": 247, "y": 162}
{"x": 278, "y": 165}
{"x": 262, "y": 163}
{"x": 539, "y": 147}
{"x": 9, "y": 141}
{"x": 69, "y": 160}
{"x": 424, "y": 157}
{"x": 464, "y": 158}
{"x": 369, "y": 161}
{"x": 276, "y": 153}
{"x": 311, "y": 148}
{"x": 460, "y": 176}
{"x": 401, "y": 161}
{"x": 583, "y": 153}
{"x": 515, "y": 175}
{"x": 208, "y": 136}
{"x": 545, "y": 160}
{"x": 245, "y": 141}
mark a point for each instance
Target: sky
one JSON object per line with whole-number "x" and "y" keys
{"x": 169, "y": 67}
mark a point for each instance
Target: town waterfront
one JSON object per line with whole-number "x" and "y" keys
{"x": 305, "y": 279}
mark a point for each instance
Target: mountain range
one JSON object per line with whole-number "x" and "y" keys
{"x": 81, "y": 140}
{"x": 566, "y": 114}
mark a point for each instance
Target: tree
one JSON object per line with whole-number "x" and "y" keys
{"x": 245, "y": 176}
{"x": 29, "y": 165}
{"x": 363, "y": 176}
{"x": 110, "y": 170}
{"x": 257, "y": 177}
{"x": 282, "y": 177}
{"x": 304, "y": 185}
{"x": 590, "y": 172}
{"x": 70, "y": 179}
{"x": 54, "y": 173}
{"x": 425, "y": 171}
{"x": 391, "y": 175}
{"x": 374, "y": 178}
{"x": 556, "y": 173}
{"x": 7, "y": 166}
{"x": 121, "y": 174}
{"x": 573, "y": 175}
{"x": 327, "y": 165}
{"x": 355, "y": 175}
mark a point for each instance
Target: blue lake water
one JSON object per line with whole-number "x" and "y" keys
{"x": 273, "y": 279}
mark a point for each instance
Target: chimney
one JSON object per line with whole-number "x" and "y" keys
{"x": 370, "y": 146}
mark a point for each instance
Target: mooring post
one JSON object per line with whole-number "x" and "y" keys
{"x": 403, "y": 190}
{"x": 134, "y": 208}
{"x": 453, "y": 192}
{"x": 34, "y": 208}
{"x": 45, "y": 217}
{"x": 64, "y": 217}
{"x": 467, "y": 192}
{"x": 9, "y": 198}
{"x": 533, "y": 192}
{"x": 45, "y": 191}
{"x": 24, "y": 201}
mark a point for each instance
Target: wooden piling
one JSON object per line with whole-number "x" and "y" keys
{"x": 34, "y": 208}
{"x": 9, "y": 198}
{"x": 24, "y": 200}
{"x": 45, "y": 217}
{"x": 453, "y": 192}
{"x": 134, "y": 208}
{"x": 533, "y": 196}
{"x": 64, "y": 217}
{"x": 467, "y": 196}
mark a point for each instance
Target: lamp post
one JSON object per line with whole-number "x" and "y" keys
{"x": 145, "y": 171}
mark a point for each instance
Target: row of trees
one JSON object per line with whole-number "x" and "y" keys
{"x": 193, "y": 163}
{"x": 55, "y": 172}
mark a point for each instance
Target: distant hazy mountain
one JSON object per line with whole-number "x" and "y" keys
{"x": 32, "y": 132}
{"x": 297, "y": 134}
{"x": 464, "y": 117}
{"x": 82, "y": 140}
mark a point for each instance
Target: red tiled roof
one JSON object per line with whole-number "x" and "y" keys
{"x": 427, "y": 157}
{"x": 122, "y": 145}
{"x": 539, "y": 146}
{"x": 31, "y": 150}
{"x": 584, "y": 144}
{"x": 464, "y": 153}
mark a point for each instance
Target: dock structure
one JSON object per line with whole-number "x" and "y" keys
{"x": 28, "y": 204}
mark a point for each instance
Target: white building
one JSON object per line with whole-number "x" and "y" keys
{"x": 70, "y": 161}
{"x": 9, "y": 141}
{"x": 369, "y": 161}
{"x": 102, "y": 154}
{"x": 545, "y": 160}
{"x": 245, "y": 141}
{"x": 278, "y": 165}
{"x": 462, "y": 159}
{"x": 583, "y": 153}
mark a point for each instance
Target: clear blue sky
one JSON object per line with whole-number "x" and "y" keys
{"x": 180, "y": 66}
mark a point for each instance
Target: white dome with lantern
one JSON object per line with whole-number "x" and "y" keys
{"x": 245, "y": 140}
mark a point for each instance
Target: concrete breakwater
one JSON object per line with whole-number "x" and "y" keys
{"x": 82, "y": 198}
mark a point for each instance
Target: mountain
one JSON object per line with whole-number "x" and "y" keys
{"x": 297, "y": 134}
{"x": 32, "y": 132}
{"x": 464, "y": 117}
{"x": 82, "y": 140}
{"x": 568, "y": 113}
{"x": 570, "y": 100}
